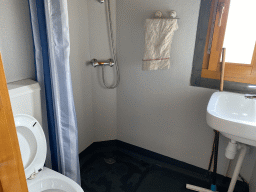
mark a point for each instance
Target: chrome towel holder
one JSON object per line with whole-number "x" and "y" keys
{"x": 159, "y": 15}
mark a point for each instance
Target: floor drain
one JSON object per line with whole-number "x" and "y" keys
{"x": 110, "y": 161}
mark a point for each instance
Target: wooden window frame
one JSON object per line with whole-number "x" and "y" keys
{"x": 211, "y": 67}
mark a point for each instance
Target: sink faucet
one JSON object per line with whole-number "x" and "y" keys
{"x": 250, "y": 96}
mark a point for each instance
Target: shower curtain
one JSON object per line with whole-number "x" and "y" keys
{"x": 49, "y": 21}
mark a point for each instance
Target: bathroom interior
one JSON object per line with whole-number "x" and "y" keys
{"x": 156, "y": 117}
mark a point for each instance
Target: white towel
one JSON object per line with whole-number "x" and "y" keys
{"x": 158, "y": 39}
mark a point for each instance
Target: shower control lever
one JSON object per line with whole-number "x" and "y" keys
{"x": 96, "y": 63}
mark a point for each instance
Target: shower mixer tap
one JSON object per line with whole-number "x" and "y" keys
{"x": 96, "y": 63}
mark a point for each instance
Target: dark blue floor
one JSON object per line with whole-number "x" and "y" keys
{"x": 124, "y": 175}
{"x": 131, "y": 174}
{"x": 140, "y": 170}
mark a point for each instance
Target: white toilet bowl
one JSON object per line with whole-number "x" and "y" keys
{"x": 48, "y": 181}
{"x": 33, "y": 151}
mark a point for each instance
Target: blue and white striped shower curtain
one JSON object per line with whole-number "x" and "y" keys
{"x": 49, "y": 20}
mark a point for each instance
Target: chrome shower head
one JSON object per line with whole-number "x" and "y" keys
{"x": 102, "y": 1}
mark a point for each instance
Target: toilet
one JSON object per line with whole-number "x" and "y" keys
{"x": 26, "y": 106}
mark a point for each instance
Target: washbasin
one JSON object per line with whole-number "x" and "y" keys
{"x": 233, "y": 115}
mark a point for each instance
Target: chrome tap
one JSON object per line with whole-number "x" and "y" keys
{"x": 250, "y": 96}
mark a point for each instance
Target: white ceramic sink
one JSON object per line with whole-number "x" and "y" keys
{"x": 233, "y": 115}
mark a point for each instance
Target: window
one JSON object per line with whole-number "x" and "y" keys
{"x": 234, "y": 19}
{"x": 230, "y": 24}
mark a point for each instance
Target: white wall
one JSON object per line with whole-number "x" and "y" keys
{"x": 159, "y": 110}
{"x": 16, "y": 43}
{"x": 80, "y": 72}
{"x": 104, "y": 100}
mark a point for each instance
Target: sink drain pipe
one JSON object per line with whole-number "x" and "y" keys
{"x": 231, "y": 151}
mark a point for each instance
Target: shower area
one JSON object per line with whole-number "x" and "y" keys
{"x": 89, "y": 39}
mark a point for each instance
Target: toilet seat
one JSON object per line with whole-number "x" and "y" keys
{"x": 32, "y": 143}
{"x": 33, "y": 151}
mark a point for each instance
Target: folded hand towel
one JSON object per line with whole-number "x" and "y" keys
{"x": 158, "y": 39}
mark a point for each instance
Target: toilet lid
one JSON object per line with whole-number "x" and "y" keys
{"x": 32, "y": 143}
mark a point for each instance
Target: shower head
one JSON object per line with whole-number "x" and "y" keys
{"x": 101, "y": 1}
